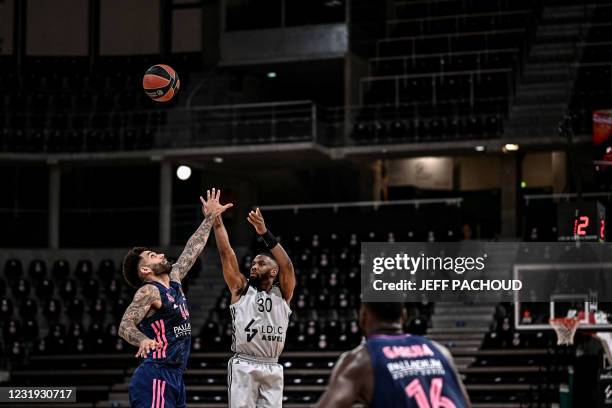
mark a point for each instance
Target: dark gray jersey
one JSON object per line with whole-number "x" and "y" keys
{"x": 260, "y": 321}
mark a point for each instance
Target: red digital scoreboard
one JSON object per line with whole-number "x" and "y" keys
{"x": 583, "y": 221}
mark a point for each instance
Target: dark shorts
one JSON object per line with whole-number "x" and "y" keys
{"x": 156, "y": 386}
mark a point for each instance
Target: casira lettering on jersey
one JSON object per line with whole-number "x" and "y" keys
{"x": 411, "y": 372}
{"x": 158, "y": 380}
{"x": 260, "y": 320}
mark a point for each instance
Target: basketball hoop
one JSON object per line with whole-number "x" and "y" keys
{"x": 565, "y": 327}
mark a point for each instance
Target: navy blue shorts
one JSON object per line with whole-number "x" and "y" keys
{"x": 156, "y": 386}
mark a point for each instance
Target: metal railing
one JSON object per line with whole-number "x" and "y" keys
{"x": 567, "y": 196}
{"x": 229, "y": 125}
{"x": 275, "y": 122}
{"x": 416, "y": 203}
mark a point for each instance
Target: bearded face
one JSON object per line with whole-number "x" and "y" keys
{"x": 263, "y": 270}
{"x": 162, "y": 268}
{"x": 258, "y": 279}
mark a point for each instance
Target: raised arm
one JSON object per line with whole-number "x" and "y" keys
{"x": 145, "y": 298}
{"x": 350, "y": 381}
{"x": 286, "y": 274}
{"x": 231, "y": 272}
{"x": 211, "y": 208}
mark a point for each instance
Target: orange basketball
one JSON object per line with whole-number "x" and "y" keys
{"x": 161, "y": 83}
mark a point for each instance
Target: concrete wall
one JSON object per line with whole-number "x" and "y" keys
{"x": 186, "y": 30}
{"x": 134, "y": 30}
{"x": 478, "y": 172}
{"x": 284, "y": 44}
{"x": 6, "y": 27}
{"x": 57, "y": 27}
{"x": 537, "y": 169}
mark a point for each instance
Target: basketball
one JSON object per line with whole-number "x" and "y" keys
{"x": 161, "y": 83}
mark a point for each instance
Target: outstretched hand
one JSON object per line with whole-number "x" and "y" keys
{"x": 211, "y": 206}
{"x": 257, "y": 221}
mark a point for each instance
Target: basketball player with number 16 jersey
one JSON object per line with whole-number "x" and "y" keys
{"x": 392, "y": 369}
{"x": 260, "y": 317}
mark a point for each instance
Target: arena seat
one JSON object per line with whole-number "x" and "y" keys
{"x": 21, "y": 289}
{"x": 6, "y": 309}
{"x": 45, "y": 288}
{"x": 13, "y": 269}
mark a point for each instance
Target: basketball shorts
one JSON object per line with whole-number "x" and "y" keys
{"x": 156, "y": 386}
{"x": 254, "y": 382}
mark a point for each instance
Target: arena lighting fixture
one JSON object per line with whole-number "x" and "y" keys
{"x": 271, "y": 74}
{"x": 183, "y": 172}
{"x": 510, "y": 147}
{"x": 479, "y": 148}
{"x": 218, "y": 159}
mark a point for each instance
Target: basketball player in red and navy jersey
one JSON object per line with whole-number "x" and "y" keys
{"x": 392, "y": 369}
{"x": 157, "y": 321}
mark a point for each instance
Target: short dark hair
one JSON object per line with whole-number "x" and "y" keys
{"x": 130, "y": 266}
{"x": 385, "y": 311}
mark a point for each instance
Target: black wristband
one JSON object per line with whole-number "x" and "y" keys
{"x": 269, "y": 239}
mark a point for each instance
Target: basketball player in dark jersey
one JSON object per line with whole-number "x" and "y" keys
{"x": 392, "y": 369}
{"x": 157, "y": 320}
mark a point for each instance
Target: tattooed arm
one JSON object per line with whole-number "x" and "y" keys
{"x": 212, "y": 208}
{"x": 192, "y": 250}
{"x": 145, "y": 299}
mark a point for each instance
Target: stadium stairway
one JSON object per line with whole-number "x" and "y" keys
{"x": 461, "y": 326}
{"x": 545, "y": 86}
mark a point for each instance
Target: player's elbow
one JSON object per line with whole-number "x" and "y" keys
{"x": 123, "y": 329}
{"x": 288, "y": 266}
{"x": 227, "y": 253}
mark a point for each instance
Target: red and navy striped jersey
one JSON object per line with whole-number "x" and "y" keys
{"x": 169, "y": 326}
{"x": 411, "y": 372}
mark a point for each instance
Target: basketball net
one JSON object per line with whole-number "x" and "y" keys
{"x": 565, "y": 327}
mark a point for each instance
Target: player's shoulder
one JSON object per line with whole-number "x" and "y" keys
{"x": 147, "y": 292}
{"x": 276, "y": 290}
{"x": 354, "y": 359}
{"x": 442, "y": 349}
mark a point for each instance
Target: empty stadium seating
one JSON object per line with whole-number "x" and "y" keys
{"x": 64, "y": 312}
{"x": 61, "y": 104}
{"x": 444, "y": 71}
